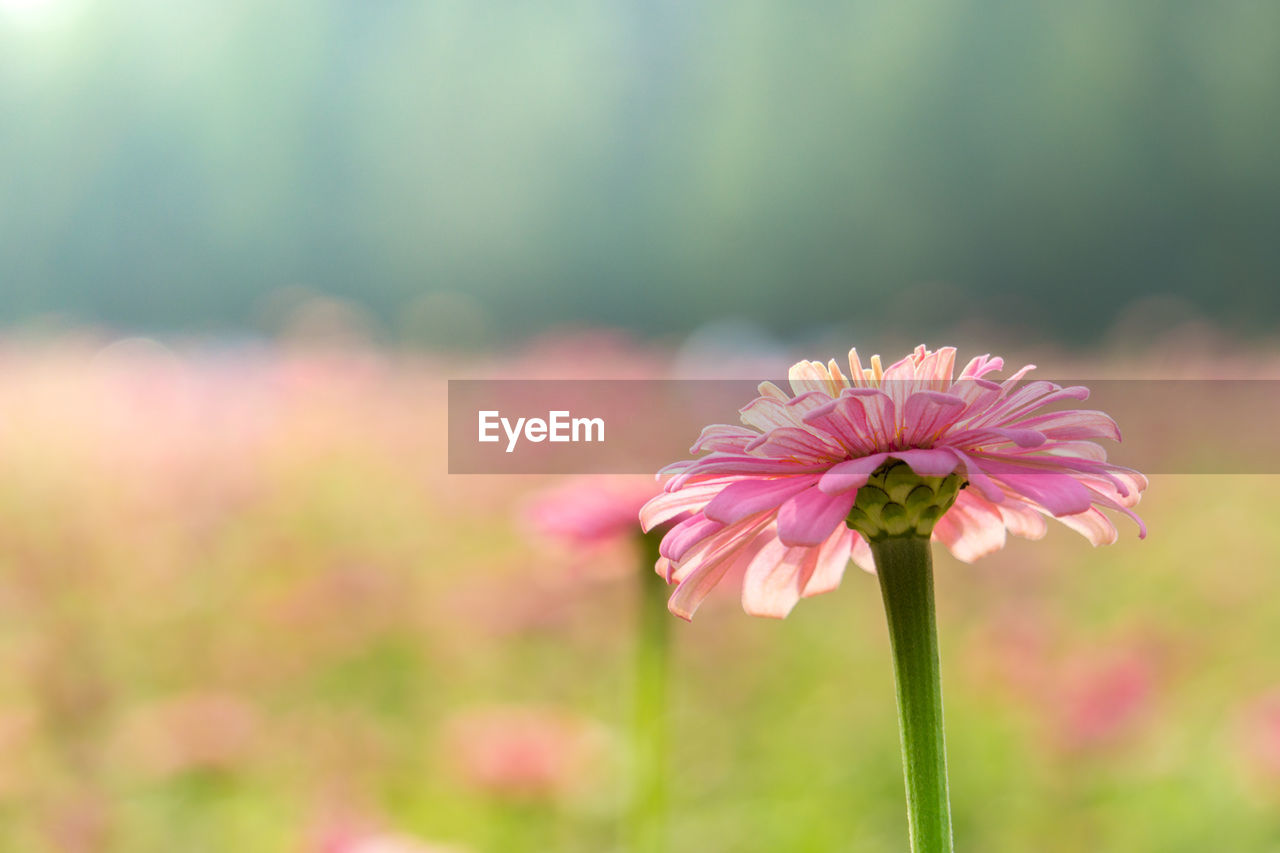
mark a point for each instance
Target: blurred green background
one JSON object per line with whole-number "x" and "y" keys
{"x": 242, "y": 605}
{"x": 466, "y": 171}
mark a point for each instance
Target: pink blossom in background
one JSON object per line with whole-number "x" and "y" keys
{"x": 1260, "y": 739}
{"x": 590, "y": 511}
{"x": 1103, "y": 698}
{"x": 524, "y": 752}
{"x": 1083, "y": 699}
{"x": 342, "y": 838}
{"x": 196, "y": 730}
{"x": 768, "y": 501}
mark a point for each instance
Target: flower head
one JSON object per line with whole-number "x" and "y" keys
{"x": 910, "y": 450}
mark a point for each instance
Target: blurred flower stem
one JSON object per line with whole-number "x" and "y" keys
{"x": 905, "y": 568}
{"x": 648, "y": 806}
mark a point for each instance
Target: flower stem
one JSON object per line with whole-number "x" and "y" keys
{"x": 647, "y": 819}
{"x": 905, "y": 568}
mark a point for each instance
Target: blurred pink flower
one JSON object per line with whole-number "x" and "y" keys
{"x": 588, "y": 511}
{"x": 770, "y": 500}
{"x": 347, "y": 839}
{"x": 1102, "y": 698}
{"x": 524, "y": 752}
{"x": 342, "y": 838}
{"x": 1261, "y": 735}
{"x": 199, "y": 730}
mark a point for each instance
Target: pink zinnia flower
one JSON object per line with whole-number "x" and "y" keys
{"x": 787, "y": 499}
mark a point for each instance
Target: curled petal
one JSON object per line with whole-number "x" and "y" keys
{"x": 850, "y": 475}
{"x": 981, "y": 365}
{"x": 928, "y": 462}
{"x": 1092, "y": 525}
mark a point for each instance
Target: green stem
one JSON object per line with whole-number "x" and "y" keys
{"x": 647, "y": 819}
{"x": 905, "y": 568}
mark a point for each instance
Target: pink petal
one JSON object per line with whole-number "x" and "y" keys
{"x": 687, "y": 534}
{"x": 735, "y": 465}
{"x": 833, "y": 556}
{"x": 719, "y": 546}
{"x": 1027, "y": 395}
{"x": 807, "y": 377}
{"x": 980, "y": 366}
{"x": 972, "y": 528}
{"x": 1061, "y": 494}
{"x": 851, "y": 474}
{"x": 796, "y": 443}
{"x": 766, "y": 413}
{"x": 928, "y": 413}
{"x": 845, "y": 420}
{"x": 977, "y": 477}
{"x": 979, "y": 396}
{"x": 1010, "y": 412}
{"x": 937, "y": 367}
{"x": 697, "y": 584}
{"x": 861, "y": 554}
{"x": 880, "y": 414}
{"x": 1055, "y": 448}
{"x": 668, "y": 505}
{"x": 974, "y": 438}
{"x": 1074, "y": 424}
{"x": 724, "y": 437}
{"x": 1022, "y": 520}
{"x": 1092, "y": 525}
{"x": 776, "y": 578}
{"x": 928, "y": 463}
{"x": 1109, "y": 503}
{"x": 747, "y": 497}
{"x": 811, "y": 516}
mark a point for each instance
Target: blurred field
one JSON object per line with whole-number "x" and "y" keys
{"x": 242, "y": 607}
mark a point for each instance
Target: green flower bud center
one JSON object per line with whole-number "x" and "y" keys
{"x": 898, "y": 502}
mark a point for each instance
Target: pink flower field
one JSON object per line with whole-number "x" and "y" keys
{"x": 244, "y": 607}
